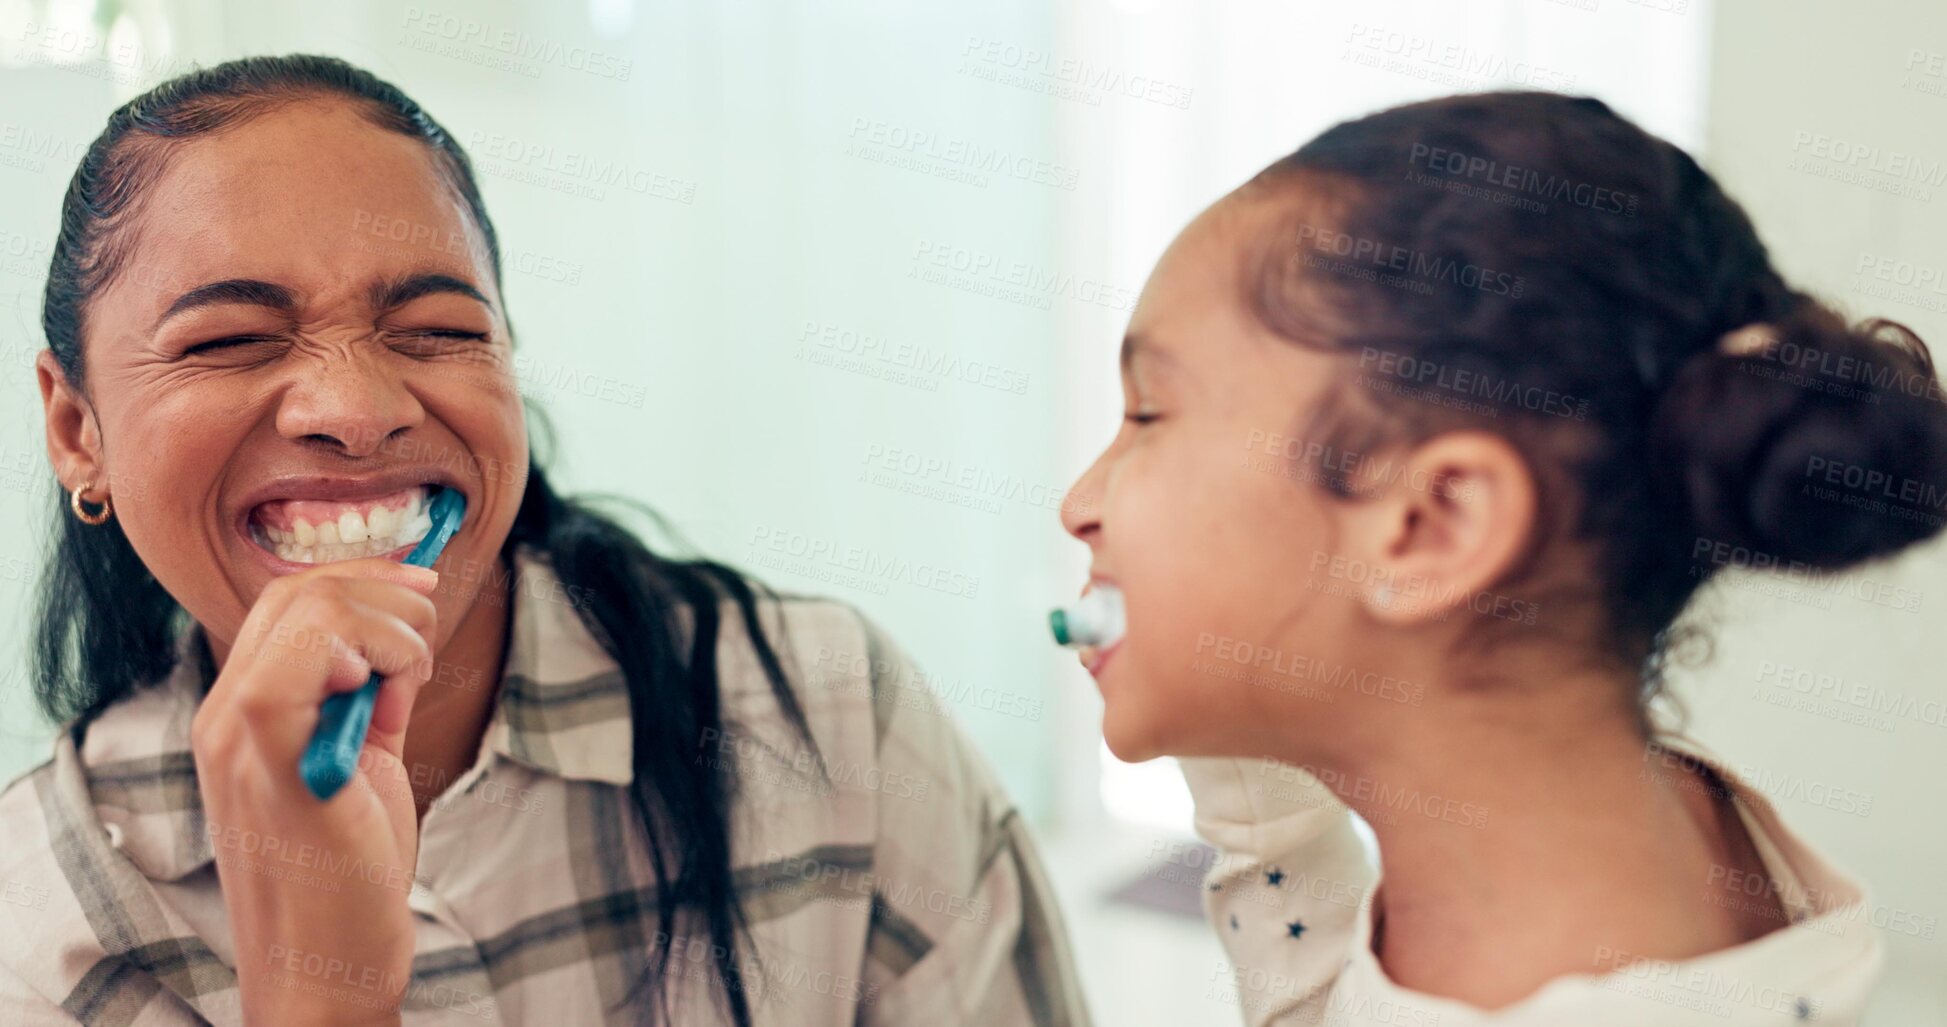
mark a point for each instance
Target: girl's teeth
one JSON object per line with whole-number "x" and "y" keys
{"x": 328, "y": 534}
{"x": 306, "y": 532}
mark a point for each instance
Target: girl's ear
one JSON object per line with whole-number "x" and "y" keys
{"x": 73, "y": 436}
{"x": 1444, "y": 528}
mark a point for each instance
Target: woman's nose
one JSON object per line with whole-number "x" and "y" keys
{"x": 352, "y": 400}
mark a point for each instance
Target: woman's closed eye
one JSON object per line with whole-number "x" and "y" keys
{"x": 227, "y": 342}
{"x": 427, "y": 342}
{"x": 439, "y": 338}
{"x": 1141, "y": 417}
{"x": 234, "y": 341}
{"x": 447, "y": 333}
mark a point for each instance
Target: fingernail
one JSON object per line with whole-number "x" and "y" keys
{"x": 421, "y": 577}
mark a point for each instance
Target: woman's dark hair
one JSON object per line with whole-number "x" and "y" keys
{"x": 1536, "y": 265}
{"x": 105, "y": 626}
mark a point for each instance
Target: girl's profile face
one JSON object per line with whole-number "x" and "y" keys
{"x": 301, "y": 295}
{"x": 1194, "y": 512}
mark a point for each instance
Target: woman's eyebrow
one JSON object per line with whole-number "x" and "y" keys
{"x": 397, "y": 292}
{"x": 230, "y": 290}
{"x": 385, "y": 294}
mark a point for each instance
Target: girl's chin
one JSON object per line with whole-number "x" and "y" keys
{"x": 1131, "y": 738}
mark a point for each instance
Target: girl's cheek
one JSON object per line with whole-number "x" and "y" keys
{"x": 1138, "y": 471}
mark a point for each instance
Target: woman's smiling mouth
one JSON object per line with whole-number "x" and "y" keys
{"x": 315, "y": 521}
{"x": 324, "y": 531}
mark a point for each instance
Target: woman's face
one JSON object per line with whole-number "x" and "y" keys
{"x": 305, "y": 331}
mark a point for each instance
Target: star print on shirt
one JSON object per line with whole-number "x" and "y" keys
{"x": 1296, "y": 927}
{"x": 1274, "y": 877}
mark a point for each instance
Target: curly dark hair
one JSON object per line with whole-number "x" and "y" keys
{"x": 1536, "y": 265}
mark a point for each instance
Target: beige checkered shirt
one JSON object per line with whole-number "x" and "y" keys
{"x": 899, "y": 886}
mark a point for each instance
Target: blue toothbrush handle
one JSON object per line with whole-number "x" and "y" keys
{"x": 331, "y": 757}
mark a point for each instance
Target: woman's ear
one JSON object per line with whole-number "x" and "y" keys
{"x": 1446, "y": 523}
{"x": 73, "y": 436}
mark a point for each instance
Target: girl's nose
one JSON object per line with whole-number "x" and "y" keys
{"x": 1081, "y": 508}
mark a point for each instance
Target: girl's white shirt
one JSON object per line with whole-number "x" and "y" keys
{"x": 1291, "y": 891}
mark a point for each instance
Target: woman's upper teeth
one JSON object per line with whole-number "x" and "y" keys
{"x": 297, "y": 527}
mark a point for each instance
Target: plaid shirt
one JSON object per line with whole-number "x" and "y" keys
{"x": 897, "y": 886}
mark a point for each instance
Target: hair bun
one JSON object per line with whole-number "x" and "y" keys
{"x": 1806, "y": 440}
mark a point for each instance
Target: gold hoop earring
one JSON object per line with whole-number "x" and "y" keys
{"x": 99, "y": 516}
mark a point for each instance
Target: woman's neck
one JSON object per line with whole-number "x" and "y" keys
{"x": 1524, "y": 834}
{"x": 451, "y": 714}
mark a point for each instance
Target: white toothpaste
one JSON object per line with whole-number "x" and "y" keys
{"x": 1094, "y": 619}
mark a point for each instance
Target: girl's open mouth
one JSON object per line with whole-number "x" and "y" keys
{"x": 1094, "y": 658}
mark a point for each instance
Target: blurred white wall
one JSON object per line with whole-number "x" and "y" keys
{"x": 1829, "y": 123}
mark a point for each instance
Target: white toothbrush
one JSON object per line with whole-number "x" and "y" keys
{"x": 1093, "y": 620}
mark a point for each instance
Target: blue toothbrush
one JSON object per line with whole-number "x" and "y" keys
{"x": 332, "y": 757}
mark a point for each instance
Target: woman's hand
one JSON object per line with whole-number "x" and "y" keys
{"x": 316, "y": 891}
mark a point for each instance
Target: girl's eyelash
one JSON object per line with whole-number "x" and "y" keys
{"x": 452, "y": 333}
{"x": 1140, "y": 416}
